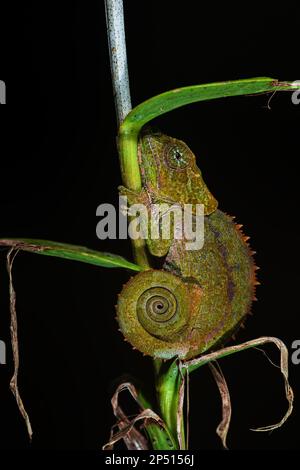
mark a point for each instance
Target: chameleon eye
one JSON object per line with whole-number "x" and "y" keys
{"x": 176, "y": 157}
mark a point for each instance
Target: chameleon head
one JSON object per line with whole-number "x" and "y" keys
{"x": 169, "y": 168}
{"x": 156, "y": 311}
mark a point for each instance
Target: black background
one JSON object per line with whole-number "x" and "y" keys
{"x": 59, "y": 162}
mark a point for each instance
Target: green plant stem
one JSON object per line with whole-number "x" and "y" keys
{"x": 130, "y": 171}
{"x": 160, "y": 438}
{"x": 169, "y": 379}
{"x": 128, "y": 152}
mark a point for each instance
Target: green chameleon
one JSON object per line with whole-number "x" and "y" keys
{"x": 199, "y": 297}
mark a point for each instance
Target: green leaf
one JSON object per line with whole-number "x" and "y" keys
{"x": 72, "y": 252}
{"x": 173, "y": 99}
{"x": 165, "y": 102}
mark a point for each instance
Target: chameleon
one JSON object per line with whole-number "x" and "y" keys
{"x": 199, "y": 298}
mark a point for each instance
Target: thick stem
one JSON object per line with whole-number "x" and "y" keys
{"x": 161, "y": 439}
{"x": 118, "y": 57}
{"x": 169, "y": 387}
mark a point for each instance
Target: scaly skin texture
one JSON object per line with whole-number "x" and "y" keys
{"x": 169, "y": 175}
{"x": 200, "y": 297}
{"x": 225, "y": 270}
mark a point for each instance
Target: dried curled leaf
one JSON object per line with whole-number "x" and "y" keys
{"x": 133, "y": 439}
{"x": 124, "y": 433}
{"x": 223, "y": 427}
{"x": 193, "y": 364}
{"x": 14, "y": 342}
{"x": 180, "y": 419}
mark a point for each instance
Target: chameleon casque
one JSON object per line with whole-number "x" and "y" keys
{"x": 199, "y": 297}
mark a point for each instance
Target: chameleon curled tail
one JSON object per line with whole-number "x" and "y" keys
{"x": 199, "y": 297}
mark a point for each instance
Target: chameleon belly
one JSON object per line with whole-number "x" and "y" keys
{"x": 197, "y": 300}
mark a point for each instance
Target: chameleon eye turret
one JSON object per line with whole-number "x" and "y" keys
{"x": 178, "y": 156}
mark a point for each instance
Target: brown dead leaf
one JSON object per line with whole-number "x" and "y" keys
{"x": 223, "y": 427}
{"x": 204, "y": 359}
{"x": 14, "y": 341}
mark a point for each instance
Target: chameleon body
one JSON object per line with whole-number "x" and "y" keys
{"x": 199, "y": 297}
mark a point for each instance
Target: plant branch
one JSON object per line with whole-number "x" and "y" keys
{"x": 118, "y": 57}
